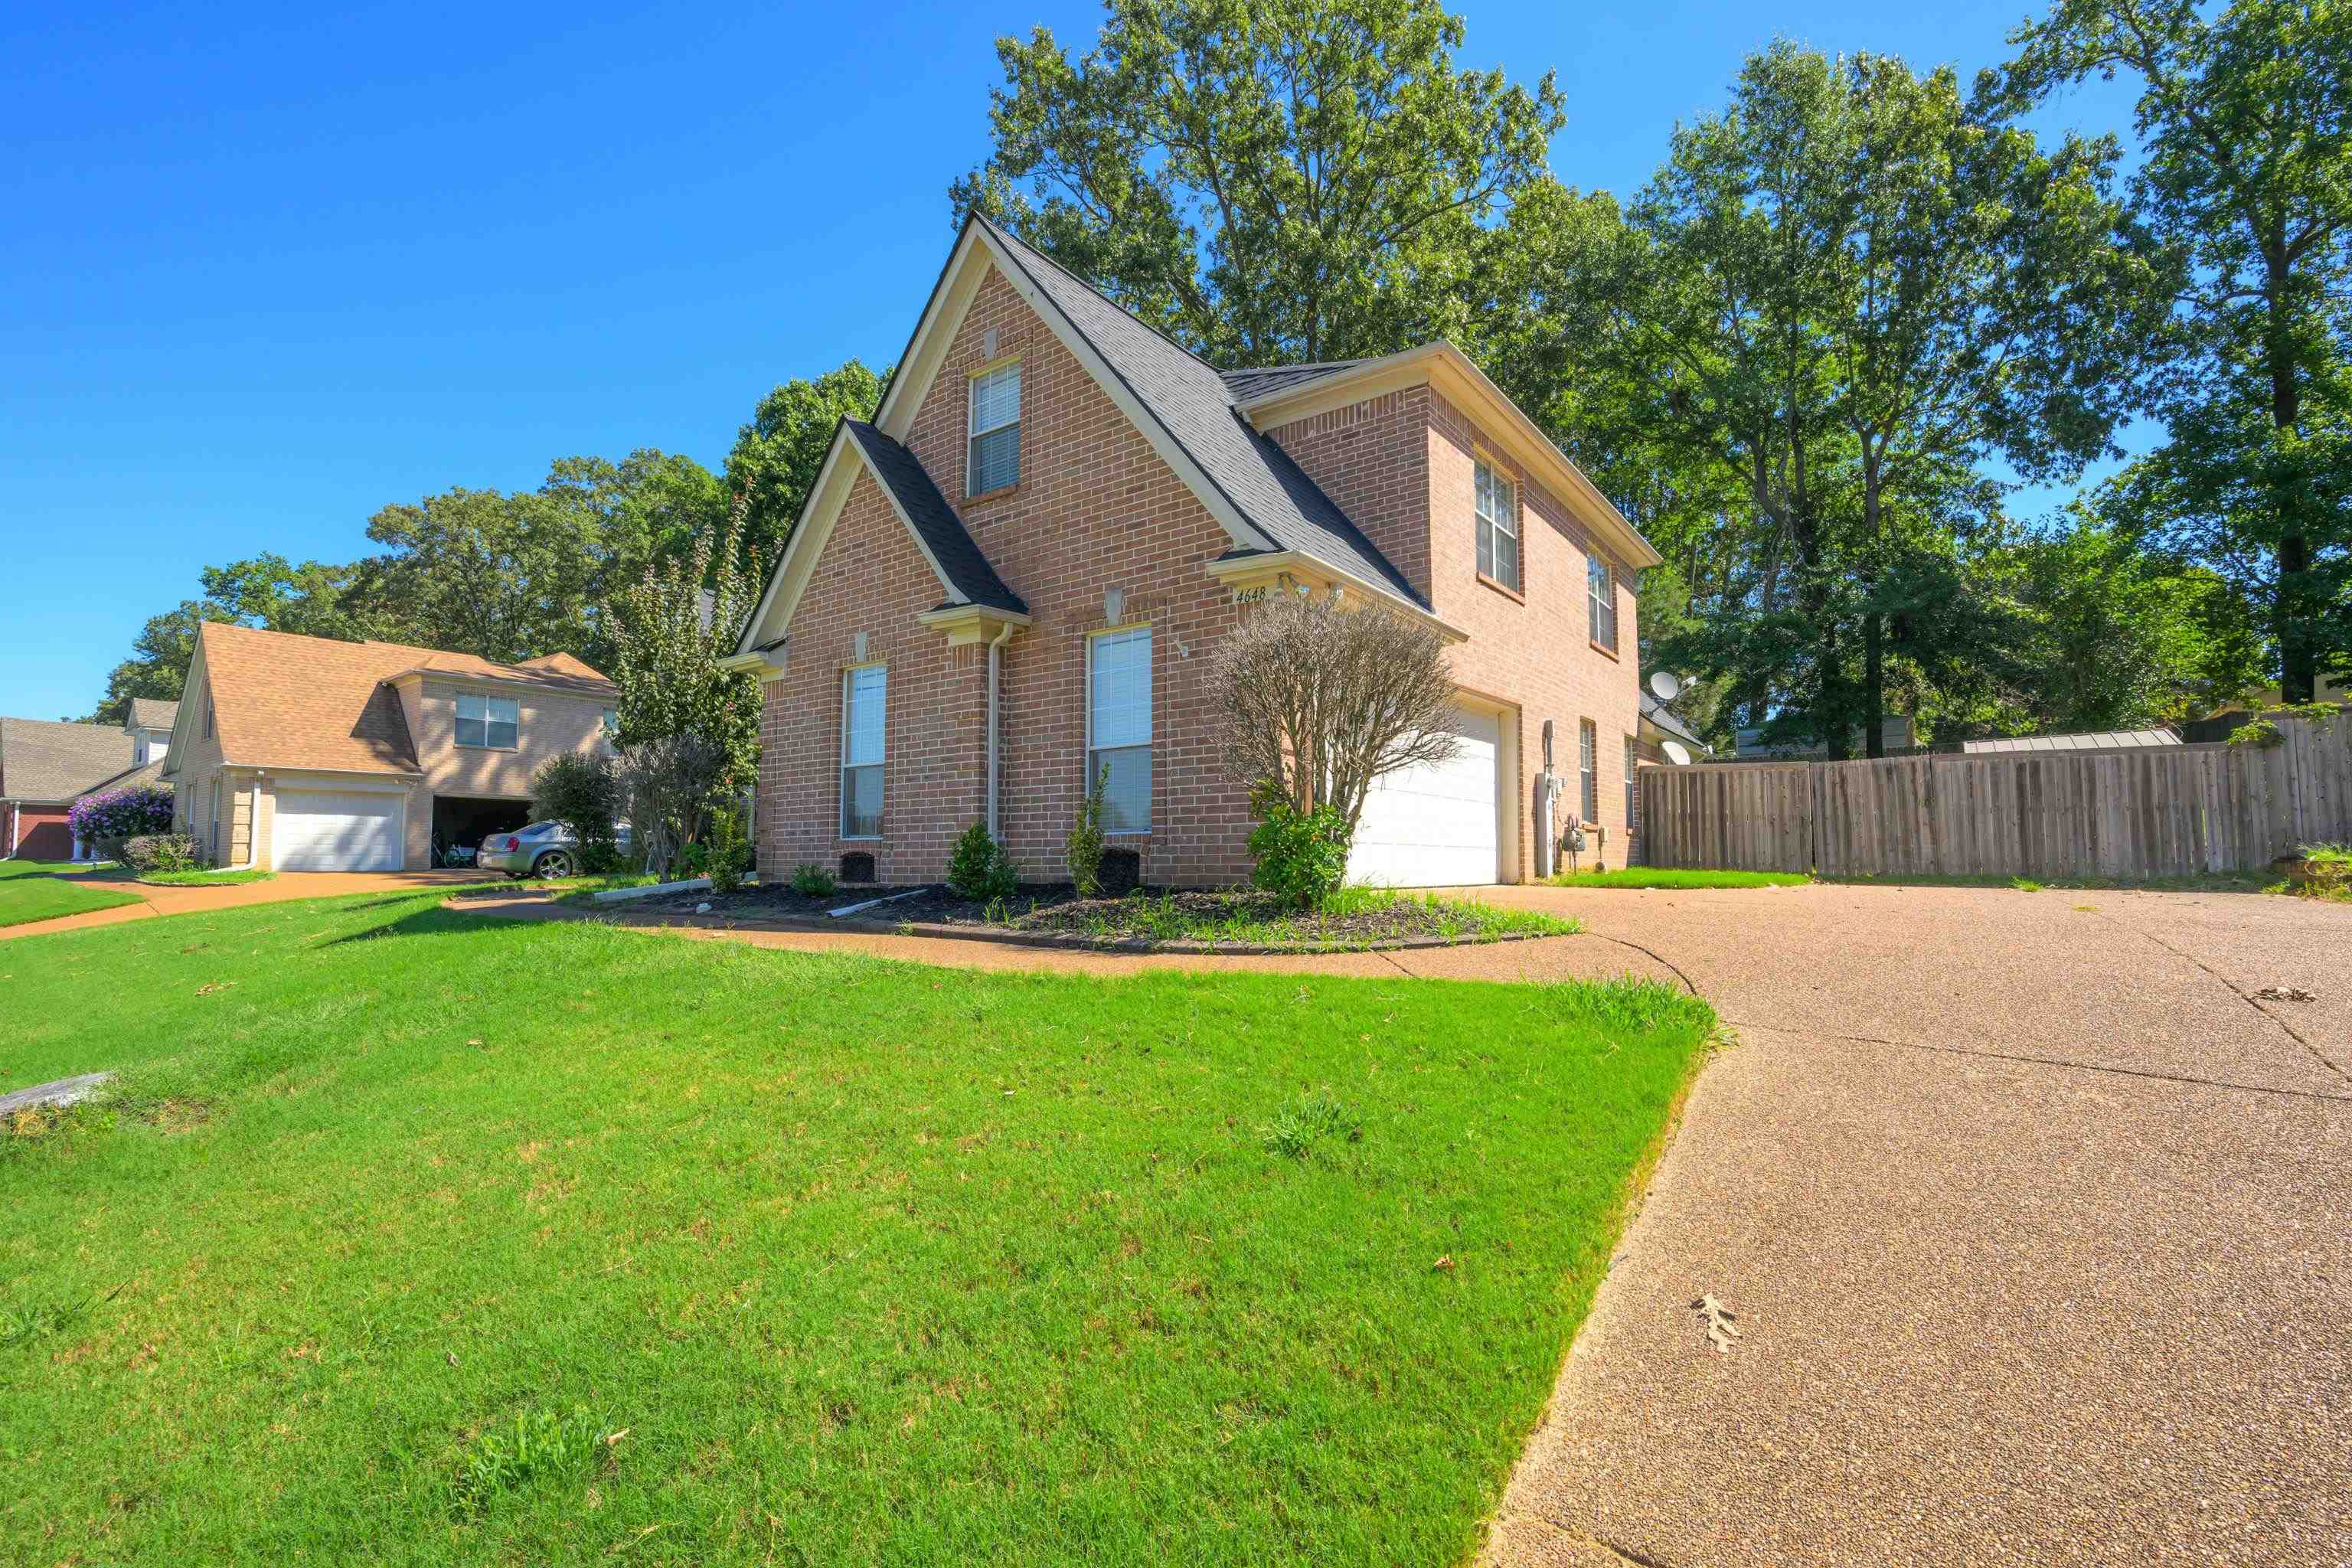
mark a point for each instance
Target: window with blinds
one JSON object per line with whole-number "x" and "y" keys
{"x": 1119, "y": 726}
{"x": 1601, "y": 590}
{"x": 1498, "y": 528}
{"x": 1589, "y": 765}
{"x": 996, "y": 456}
{"x": 864, "y": 704}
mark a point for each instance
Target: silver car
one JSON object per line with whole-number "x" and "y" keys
{"x": 541, "y": 849}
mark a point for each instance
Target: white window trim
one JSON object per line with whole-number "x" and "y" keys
{"x": 840, "y": 782}
{"x": 971, "y": 433}
{"x": 1588, "y": 768}
{"x": 457, "y": 713}
{"x": 1507, "y": 527}
{"x": 1151, "y": 744}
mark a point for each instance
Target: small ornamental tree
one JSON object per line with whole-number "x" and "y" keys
{"x": 582, "y": 793}
{"x": 669, "y": 786}
{"x": 119, "y": 814}
{"x": 1082, "y": 851}
{"x": 1322, "y": 698}
{"x": 670, "y": 629}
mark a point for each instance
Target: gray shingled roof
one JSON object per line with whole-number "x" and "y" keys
{"x": 1672, "y": 723}
{"x": 149, "y": 772}
{"x": 1193, "y": 405}
{"x": 949, "y": 542}
{"x": 153, "y": 713}
{"x": 1245, "y": 384}
{"x": 43, "y": 760}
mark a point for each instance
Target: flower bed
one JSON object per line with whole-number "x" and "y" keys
{"x": 1240, "y": 920}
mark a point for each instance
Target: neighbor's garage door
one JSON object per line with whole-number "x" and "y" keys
{"x": 337, "y": 832}
{"x": 1434, "y": 826}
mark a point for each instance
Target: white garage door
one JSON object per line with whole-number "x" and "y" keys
{"x": 337, "y": 832}
{"x": 1434, "y": 826}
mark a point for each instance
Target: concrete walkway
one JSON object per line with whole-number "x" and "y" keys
{"x": 287, "y": 885}
{"x": 2036, "y": 1217}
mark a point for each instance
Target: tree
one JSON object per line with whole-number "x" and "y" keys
{"x": 649, "y": 506}
{"x": 776, "y": 455}
{"x": 670, "y": 628}
{"x": 669, "y": 786}
{"x": 160, "y": 655}
{"x": 1322, "y": 698}
{"x": 2245, "y": 115}
{"x": 584, "y": 794}
{"x": 1263, "y": 181}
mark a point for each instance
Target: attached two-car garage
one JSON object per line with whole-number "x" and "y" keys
{"x": 1441, "y": 826}
{"x": 338, "y": 830}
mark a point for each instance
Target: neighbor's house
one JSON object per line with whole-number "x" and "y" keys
{"x": 1018, "y": 575}
{"x": 297, "y": 753}
{"x": 45, "y": 767}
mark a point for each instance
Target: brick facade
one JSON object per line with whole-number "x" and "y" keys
{"x": 1096, "y": 508}
{"x": 1403, "y": 465}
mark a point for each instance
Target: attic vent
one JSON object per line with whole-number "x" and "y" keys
{"x": 858, "y": 647}
{"x": 858, "y": 867}
{"x": 988, "y": 343}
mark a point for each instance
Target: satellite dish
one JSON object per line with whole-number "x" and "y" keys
{"x": 1665, "y": 686}
{"x": 1677, "y": 753}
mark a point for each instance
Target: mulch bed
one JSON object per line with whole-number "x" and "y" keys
{"x": 1056, "y": 916}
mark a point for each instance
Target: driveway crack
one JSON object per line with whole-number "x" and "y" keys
{"x": 2053, "y": 1062}
{"x": 2291, "y": 1032}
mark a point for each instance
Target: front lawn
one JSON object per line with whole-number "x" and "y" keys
{"x": 205, "y": 878}
{"x": 419, "y": 1236}
{"x": 44, "y": 890}
{"x": 1671, "y": 877}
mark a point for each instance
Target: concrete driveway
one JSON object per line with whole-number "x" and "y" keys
{"x": 287, "y": 885}
{"x": 2037, "y": 1220}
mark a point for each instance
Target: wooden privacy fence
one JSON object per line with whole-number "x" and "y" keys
{"x": 2162, "y": 811}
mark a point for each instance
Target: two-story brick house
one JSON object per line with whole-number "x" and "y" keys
{"x": 298, "y": 753}
{"x": 1013, "y": 578}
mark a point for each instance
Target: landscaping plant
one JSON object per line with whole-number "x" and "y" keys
{"x": 582, "y": 793}
{"x": 1082, "y": 851}
{"x": 979, "y": 868}
{"x": 106, "y": 820}
{"x": 1301, "y": 855}
{"x": 728, "y": 855}
{"x": 813, "y": 882}
{"x": 162, "y": 852}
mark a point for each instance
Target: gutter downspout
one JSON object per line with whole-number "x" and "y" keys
{"x": 995, "y": 680}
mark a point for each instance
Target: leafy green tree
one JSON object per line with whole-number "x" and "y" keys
{"x": 649, "y": 506}
{"x": 1265, "y": 181}
{"x": 671, "y": 627}
{"x": 776, "y": 454}
{"x": 160, "y": 655}
{"x": 2245, "y": 117}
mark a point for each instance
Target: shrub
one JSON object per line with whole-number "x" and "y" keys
{"x": 582, "y": 793}
{"x": 979, "y": 869}
{"x": 813, "y": 882}
{"x": 1082, "y": 851}
{"x": 121, "y": 813}
{"x": 728, "y": 861}
{"x": 162, "y": 852}
{"x": 2260, "y": 732}
{"x": 1302, "y": 856}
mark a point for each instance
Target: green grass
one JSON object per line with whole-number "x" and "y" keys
{"x": 1671, "y": 877}
{"x": 2215, "y": 882}
{"x": 44, "y": 890}
{"x": 422, "y": 1236}
{"x": 205, "y": 879}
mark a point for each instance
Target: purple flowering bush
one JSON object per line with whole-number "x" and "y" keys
{"x": 108, "y": 819}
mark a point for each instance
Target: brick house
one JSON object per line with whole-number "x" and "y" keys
{"x": 297, "y": 753}
{"x": 1012, "y": 577}
{"x": 46, "y": 767}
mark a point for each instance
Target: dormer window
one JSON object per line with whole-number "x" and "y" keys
{"x": 1498, "y": 528}
{"x": 994, "y": 461}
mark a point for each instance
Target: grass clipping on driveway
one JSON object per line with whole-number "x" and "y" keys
{"x": 422, "y": 1236}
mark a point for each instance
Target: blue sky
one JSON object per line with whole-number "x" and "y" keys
{"x": 263, "y": 271}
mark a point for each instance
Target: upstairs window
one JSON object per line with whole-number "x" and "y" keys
{"x": 1588, "y": 765}
{"x": 495, "y": 722}
{"x": 1601, "y": 589}
{"x": 1498, "y": 528}
{"x": 996, "y": 456}
{"x": 1119, "y": 726}
{"x": 864, "y": 693}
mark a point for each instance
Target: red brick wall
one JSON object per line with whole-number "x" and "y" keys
{"x": 1096, "y": 508}
{"x": 1403, "y": 465}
